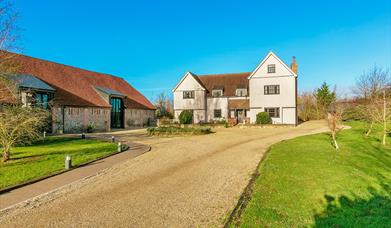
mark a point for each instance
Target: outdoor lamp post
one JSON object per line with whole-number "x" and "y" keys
{"x": 119, "y": 147}
{"x": 68, "y": 162}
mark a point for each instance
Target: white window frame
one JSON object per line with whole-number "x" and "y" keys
{"x": 242, "y": 92}
{"x": 276, "y": 112}
{"x": 217, "y": 93}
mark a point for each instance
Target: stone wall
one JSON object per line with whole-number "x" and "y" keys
{"x": 76, "y": 119}
{"x": 139, "y": 117}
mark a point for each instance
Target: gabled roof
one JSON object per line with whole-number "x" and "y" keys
{"x": 227, "y": 82}
{"x": 29, "y": 81}
{"x": 76, "y": 87}
{"x": 191, "y": 75}
{"x": 264, "y": 60}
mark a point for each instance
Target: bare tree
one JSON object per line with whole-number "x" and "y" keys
{"x": 371, "y": 83}
{"x": 19, "y": 125}
{"x": 333, "y": 119}
{"x": 9, "y": 33}
{"x": 379, "y": 111}
{"x": 164, "y": 106}
{"x": 371, "y": 87}
{"x": 307, "y": 106}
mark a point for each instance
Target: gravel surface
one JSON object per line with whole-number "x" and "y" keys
{"x": 192, "y": 181}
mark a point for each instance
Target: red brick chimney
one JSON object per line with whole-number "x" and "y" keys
{"x": 294, "y": 66}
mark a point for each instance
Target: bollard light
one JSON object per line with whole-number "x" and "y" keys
{"x": 112, "y": 139}
{"x": 44, "y": 134}
{"x": 119, "y": 147}
{"x": 68, "y": 162}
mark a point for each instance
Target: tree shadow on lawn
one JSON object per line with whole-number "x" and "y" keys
{"x": 372, "y": 211}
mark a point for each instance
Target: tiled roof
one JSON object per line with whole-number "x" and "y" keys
{"x": 239, "y": 104}
{"x": 76, "y": 87}
{"x": 229, "y": 82}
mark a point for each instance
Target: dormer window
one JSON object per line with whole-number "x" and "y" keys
{"x": 241, "y": 92}
{"x": 217, "y": 93}
{"x": 271, "y": 68}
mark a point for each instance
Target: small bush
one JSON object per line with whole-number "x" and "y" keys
{"x": 165, "y": 121}
{"x": 186, "y": 117}
{"x": 263, "y": 118}
{"x": 90, "y": 127}
{"x": 220, "y": 121}
{"x": 179, "y": 130}
{"x": 353, "y": 113}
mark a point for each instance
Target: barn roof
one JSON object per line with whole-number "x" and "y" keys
{"x": 77, "y": 87}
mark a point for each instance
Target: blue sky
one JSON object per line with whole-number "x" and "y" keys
{"x": 153, "y": 43}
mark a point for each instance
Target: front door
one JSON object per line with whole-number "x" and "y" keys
{"x": 117, "y": 112}
{"x": 240, "y": 115}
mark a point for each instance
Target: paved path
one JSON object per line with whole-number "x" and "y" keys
{"x": 30, "y": 191}
{"x": 191, "y": 181}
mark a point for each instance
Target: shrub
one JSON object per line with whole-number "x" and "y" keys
{"x": 90, "y": 127}
{"x": 353, "y": 113}
{"x": 220, "y": 121}
{"x": 186, "y": 117}
{"x": 179, "y": 130}
{"x": 165, "y": 121}
{"x": 263, "y": 118}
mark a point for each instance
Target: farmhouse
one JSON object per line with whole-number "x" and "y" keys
{"x": 238, "y": 98}
{"x": 79, "y": 98}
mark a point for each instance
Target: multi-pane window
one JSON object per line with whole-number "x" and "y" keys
{"x": 271, "y": 89}
{"x": 241, "y": 92}
{"x": 217, "y": 93}
{"x": 273, "y": 112}
{"x": 117, "y": 112}
{"x": 41, "y": 100}
{"x": 271, "y": 68}
{"x": 217, "y": 113}
{"x": 188, "y": 94}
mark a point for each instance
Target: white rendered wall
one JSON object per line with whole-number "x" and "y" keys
{"x": 217, "y": 103}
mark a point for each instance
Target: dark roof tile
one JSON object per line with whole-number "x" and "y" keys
{"x": 230, "y": 82}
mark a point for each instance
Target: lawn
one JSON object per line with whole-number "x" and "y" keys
{"x": 304, "y": 182}
{"x": 43, "y": 158}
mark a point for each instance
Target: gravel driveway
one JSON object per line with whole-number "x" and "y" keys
{"x": 190, "y": 181}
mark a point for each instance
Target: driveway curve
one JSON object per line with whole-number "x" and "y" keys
{"x": 192, "y": 181}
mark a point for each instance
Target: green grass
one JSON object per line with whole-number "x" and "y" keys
{"x": 43, "y": 158}
{"x": 305, "y": 182}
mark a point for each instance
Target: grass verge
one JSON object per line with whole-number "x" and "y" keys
{"x": 44, "y": 158}
{"x": 305, "y": 182}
